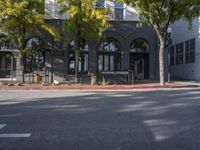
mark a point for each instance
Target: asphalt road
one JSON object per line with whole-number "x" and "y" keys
{"x": 61, "y": 120}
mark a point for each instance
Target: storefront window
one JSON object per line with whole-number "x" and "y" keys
{"x": 109, "y": 56}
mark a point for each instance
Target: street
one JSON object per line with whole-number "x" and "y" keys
{"x": 167, "y": 119}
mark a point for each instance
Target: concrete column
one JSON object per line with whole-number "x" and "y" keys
{"x": 125, "y": 59}
{"x": 19, "y": 69}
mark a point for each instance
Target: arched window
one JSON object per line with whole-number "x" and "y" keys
{"x": 83, "y": 59}
{"x": 35, "y": 55}
{"x": 7, "y": 59}
{"x": 109, "y": 56}
{"x": 139, "y": 46}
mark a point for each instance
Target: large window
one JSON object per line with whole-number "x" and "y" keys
{"x": 190, "y": 51}
{"x": 109, "y": 56}
{"x": 83, "y": 58}
{"x": 179, "y": 53}
{"x": 172, "y": 56}
{"x": 35, "y": 55}
{"x": 139, "y": 46}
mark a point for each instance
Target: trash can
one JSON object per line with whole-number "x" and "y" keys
{"x": 38, "y": 78}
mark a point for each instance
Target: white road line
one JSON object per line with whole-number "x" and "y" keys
{"x": 2, "y": 126}
{"x": 15, "y": 135}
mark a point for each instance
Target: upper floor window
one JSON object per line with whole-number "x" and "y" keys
{"x": 190, "y": 51}
{"x": 100, "y": 3}
{"x": 179, "y": 53}
{"x": 119, "y": 11}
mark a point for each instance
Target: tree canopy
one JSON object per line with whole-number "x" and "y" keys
{"x": 19, "y": 17}
{"x": 163, "y": 13}
{"x": 84, "y": 18}
{"x": 85, "y": 22}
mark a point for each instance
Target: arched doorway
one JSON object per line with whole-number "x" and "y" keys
{"x": 139, "y": 59}
{"x": 109, "y": 55}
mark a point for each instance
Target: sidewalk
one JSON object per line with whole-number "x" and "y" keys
{"x": 136, "y": 86}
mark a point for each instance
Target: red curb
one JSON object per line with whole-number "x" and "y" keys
{"x": 128, "y": 87}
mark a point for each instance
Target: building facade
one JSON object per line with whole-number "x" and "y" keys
{"x": 185, "y": 50}
{"x": 125, "y": 48}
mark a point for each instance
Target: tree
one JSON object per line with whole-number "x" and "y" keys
{"x": 161, "y": 14}
{"x": 85, "y": 22}
{"x": 22, "y": 17}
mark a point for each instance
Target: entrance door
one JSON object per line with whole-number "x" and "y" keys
{"x": 139, "y": 64}
{"x": 139, "y": 69}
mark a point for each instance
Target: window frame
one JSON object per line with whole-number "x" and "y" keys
{"x": 102, "y": 52}
{"x": 139, "y": 52}
{"x": 121, "y": 8}
{"x": 179, "y": 53}
{"x": 172, "y": 55}
{"x": 100, "y": 4}
{"x": 81, "y": 59}
{"x": 30, "y": 67}
{"x": 189, "y": 49}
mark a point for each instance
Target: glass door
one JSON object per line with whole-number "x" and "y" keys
{"x": 139, "y": 69}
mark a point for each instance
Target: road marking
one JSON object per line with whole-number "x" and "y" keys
{"x": 13, "y": 135}
{"x": 2, "y": 126}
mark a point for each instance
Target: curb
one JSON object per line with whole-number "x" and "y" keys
{"x": 93, "y": 88}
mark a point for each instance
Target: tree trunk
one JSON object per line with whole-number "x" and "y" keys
{"x": 162, "y": 63}
{"x": 77, "y": 55}
{"x": 22, "y": 61}
{"x": 22, "y": 40}
{"x": 77, "y": 45}
{"x": 76, "y": 69}
{"x": 161, "y": 56}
